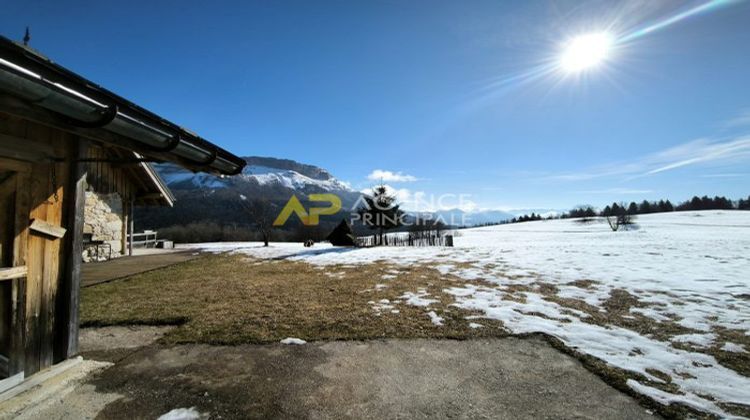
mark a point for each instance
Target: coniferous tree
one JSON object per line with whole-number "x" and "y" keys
{"x": 696, "y": 203}
{"x": 633, "y": 208}
{"x": 617, "y": 209}
{"x": 380, "y": 212}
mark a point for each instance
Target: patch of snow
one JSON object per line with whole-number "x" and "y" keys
{"x": 435, "y": 318}
{"x": 381, "y": 306}
{"x": 700, "y": 340}
{"x": 292, "y": 340}
{"x": 418, "y": 299}
{"x": 734, "y": 348}
{"x": 183, "y": 414}
{"x": 290, "y": 179}
{"x": 667, "y": 398}
{"x": 474, "y": 325}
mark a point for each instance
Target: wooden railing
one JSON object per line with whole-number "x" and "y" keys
{"x": 148, "y": 241}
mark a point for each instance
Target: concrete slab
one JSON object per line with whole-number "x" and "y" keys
{"x": 58, "y": 393}
{"x": 435, "y": 379}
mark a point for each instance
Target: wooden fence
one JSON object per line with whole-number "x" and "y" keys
{"x": 145, "y": 239}
{"x": 419, "y": 240}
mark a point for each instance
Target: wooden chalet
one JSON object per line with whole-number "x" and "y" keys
{"x": 61, "y": 137}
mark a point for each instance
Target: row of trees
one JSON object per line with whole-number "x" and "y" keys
{"x": 662, "y": 206}
{"x": 644, "y": 207}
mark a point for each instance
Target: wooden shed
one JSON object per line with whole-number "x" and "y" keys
{"x": 61, "y": 136}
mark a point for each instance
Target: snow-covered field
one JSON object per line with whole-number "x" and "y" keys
{"x": 687, "y": 270}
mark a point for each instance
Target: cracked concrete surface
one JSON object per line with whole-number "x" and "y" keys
{"x": 416, "y": 378}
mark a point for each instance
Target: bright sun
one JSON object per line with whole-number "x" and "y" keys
{"x": 586, "y": 51}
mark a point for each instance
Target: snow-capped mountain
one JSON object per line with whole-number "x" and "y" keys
{"x": 208, "y": 198}
{"x": 260, "y": 172}
{"x": 223, "y": 200}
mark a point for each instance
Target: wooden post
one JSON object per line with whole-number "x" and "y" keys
{"x": 125, "y": 226}
{"x": 75, "y": 201}
{"x": 131, "y": 226}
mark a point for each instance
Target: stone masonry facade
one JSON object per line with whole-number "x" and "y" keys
{"x": 103, "y": 218}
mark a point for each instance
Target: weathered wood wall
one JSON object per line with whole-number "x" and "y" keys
{"x": 50, "y": 171}
{"x": 109, "y": 177}
{"x": 40, "y": 195}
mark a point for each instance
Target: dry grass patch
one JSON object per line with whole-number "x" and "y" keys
{"x": 230, "y": 299}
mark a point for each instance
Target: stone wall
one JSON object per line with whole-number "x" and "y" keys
{"x": 104, "y": 218}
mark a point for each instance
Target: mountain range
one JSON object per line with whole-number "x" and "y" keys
{"x": 205, "y": 198}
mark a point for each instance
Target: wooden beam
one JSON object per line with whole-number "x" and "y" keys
{"x": 8, "y": 186}
{"x": 66, "y": 342}
{"x": 25, "y": 149}
{"x": 49, "y": 229}
{"x": 14, "y": 165}
{"x": 13, "y": 273}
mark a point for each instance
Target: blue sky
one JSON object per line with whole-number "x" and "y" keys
{"x": 416, "y": 88}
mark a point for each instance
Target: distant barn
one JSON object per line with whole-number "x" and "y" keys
{"x": 342, "y": 235}
{"x": 67, "y": 144}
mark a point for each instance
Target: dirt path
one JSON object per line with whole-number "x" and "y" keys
{"x": 421, "y": 378}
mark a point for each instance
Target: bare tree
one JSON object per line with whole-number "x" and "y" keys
{"x": 619, "y": 217}
{"x": 262, "y": 214}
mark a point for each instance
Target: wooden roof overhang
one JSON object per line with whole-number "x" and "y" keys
{"x": 35, "y": 88}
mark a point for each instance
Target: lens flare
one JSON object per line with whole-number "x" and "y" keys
{"x": 703, "y": 8}
{"x": 586, "y": 51}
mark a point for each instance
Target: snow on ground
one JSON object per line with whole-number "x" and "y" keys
{"x": 293, "y": 341}
{"x": 435, "y": 318}
{"x": 692, "y": 268}
{"x": 183, "y": 414}
{"x": 420, "y": 298}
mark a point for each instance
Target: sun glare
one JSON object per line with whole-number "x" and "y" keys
{"x": 586, "y": 51}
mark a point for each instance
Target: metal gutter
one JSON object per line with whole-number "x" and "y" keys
{"x": 34, "y": 78}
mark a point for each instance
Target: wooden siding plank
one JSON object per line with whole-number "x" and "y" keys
{"x": 20, "y": 252}
{"x": 47, "y": 228}
{"x": 39, "y": 186}
{"x": 13, "y": 273}
{"x": 52, "y": 255}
